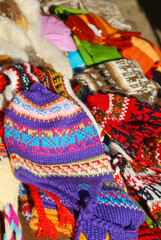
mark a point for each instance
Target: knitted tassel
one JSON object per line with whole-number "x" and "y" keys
{"x": 65, "y": 216}
{"x": 46, "y": 227}
{"x": 11, "y": 224}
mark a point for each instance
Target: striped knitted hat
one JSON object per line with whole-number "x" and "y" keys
{"x": 54, "y": 146}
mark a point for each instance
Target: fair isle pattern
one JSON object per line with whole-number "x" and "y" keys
{"x": 61, "y": 85}
{"x": 64, "y": 108}
{"x": 55, "y": 155}
{"x": 119, "y": 198}
{"x": 125, "y": 107}
{"x": 52, "y": 138}
{"x": 57, "y": 141}
{"x": 94, "y": 166}
{"x": 52, "y": 132}
{"x": 21, "y": 75}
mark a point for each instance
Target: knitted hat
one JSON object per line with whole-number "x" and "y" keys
{"x": 144, "y": 52}
{"x": 9, "y": 188}
{"x": 93, "y": 53}
{"x": 131, "y": 122}
{"x": 95, "y": 29}
{"x": 57, "y": 32}
{"x": 54, "y": 146}
{"x": 14, "y": 78}
{"x": 117, "y": 216}
{"x": 120, "y": 76}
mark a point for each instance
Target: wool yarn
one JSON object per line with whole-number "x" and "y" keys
{"x": 106, "y": 9}
{"x": 57, "y": 148}
{"x": 9, "y": 188}
{"x": 31, "y": 215}
{"x": 93, "y": 53}
{"x": 144, "y": 52}
{"x": 115, "y": 113}
{"x": 122, "y": 76}
{"x": 93, "y": 28}
{"x": 54, "y": 29}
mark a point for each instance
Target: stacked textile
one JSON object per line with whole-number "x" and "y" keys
{"x": 80, "y": 123}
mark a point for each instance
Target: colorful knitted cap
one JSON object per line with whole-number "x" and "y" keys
{"x": 54, "y": 145}
{"x": 117, "y": 216}
{"x": 95, "y": 29}
{"x": 15, "y": 78}
{"x": 122, "y": 76}
{"x": 55, "y": 30}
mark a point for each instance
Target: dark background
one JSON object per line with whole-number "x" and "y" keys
{"x": 152, "y": 9}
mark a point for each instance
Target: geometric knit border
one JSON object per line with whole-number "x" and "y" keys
{"x": 99, "y": 165}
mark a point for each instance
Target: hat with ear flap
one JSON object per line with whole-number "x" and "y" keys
{"x": 53, "y": 145}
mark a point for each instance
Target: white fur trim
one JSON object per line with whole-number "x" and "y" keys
{"x": 13, "y": 33}
{"x": 31, "y": 10}
{"x": 14, "y": 52}
{"x": 52, "y": 55}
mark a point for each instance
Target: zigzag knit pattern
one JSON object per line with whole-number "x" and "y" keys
{"x": 11, "y": 223}
{"x": 50, "y": 139}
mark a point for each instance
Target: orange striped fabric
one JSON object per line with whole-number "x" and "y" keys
{"x": 108, "y": 35}
{"x": 144, "y": 52}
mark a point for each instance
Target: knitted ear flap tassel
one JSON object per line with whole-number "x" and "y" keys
{"x": 9, "y": 187}
{"x": 45, "y": 225}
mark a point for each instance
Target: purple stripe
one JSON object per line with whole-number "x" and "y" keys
{"x": 64, "y": 157}
{"x": 65, "y": 187}
{"x": 36, "y": 124}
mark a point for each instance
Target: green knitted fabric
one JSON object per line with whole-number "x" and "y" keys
{"x": 62, "y": 11}
{"x": 95, "y": 53}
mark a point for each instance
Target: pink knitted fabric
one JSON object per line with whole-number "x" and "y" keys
{"x": 57, "y": 32}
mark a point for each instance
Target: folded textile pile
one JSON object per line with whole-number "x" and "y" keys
{"x": 80, "y": 123}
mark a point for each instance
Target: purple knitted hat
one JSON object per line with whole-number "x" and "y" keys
{"x": 54, "y": 146}
{"x": 117, "y": 216}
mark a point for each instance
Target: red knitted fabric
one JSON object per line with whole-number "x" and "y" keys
{"x": 80, "y": 25}
{"x": 145, "y": 233}
{"x": 129, "y": 121}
